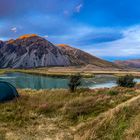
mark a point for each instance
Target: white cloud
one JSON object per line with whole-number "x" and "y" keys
{"x": 128, "y": 46}
{"x": 81, "y": 35}
{"x": 14, "y": 29}
{"x": 46, "y": 36}
{"x": 78, "y": 8}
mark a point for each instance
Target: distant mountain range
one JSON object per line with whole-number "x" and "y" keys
{"x": 30, "y": 51}
{"x": 134, "y": 63}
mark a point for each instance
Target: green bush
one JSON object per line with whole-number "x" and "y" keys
{"x": 112, "y": 92}
{"x": 74, "y": 82}
{"x": 126, "y": 81}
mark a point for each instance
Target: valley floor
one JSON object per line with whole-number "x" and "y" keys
{"x": 103, "y": 114}
{"x": 67, "y": 71}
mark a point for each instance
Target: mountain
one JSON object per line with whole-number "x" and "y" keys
{"x": 31, "y": 50}
{"x": 84, "y": 57}
{"x": 134, "y": 63}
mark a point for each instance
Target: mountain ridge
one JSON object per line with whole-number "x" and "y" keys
{"x": 90, "y": 59}
{"x": 31, "y": 50}
{"x": 132, "y": 63}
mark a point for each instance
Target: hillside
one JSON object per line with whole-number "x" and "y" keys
{"x": 29, "y": 51}
{"x": 85, "y": 57}
{"x": 134, "y": 63}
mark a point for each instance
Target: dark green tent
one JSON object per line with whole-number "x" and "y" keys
{"x": 7, "y": 92}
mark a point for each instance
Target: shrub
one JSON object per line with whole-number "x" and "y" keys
{"x": 126, "y": 81}
{"x": 74, "y": 82}
{"x": 112, "y": 92}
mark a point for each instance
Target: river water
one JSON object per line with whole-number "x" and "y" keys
{"x": 21, "y": 80}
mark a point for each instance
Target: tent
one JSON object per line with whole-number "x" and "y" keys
{"x": 7, "y": 91}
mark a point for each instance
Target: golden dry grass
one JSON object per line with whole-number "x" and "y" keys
{"x": 67, "y": 71}
{"x": 119, "y": 123}
{"x": 133, "y": 131}
{"x": 61, "y": 115}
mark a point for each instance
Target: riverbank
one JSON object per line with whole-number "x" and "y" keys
{"x": 61, "y": 115}
{"x": 48, "y": 72}
{"x": 67, "y": 71}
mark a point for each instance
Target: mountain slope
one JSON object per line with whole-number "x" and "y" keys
{"x": 135, "y": 63}
{"x": 33, "y": 51}
{"x": 85, "y": 57}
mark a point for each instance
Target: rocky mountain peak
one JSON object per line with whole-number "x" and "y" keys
{"x": 31, "y": 50}
{"x": 28, "y": 36}
{"x": 65, "y": 46}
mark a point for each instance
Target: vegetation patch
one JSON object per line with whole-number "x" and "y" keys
{"x": 126, "y": 81}
{"x": 112, "y": 125}
{"x": 57, "y": 114}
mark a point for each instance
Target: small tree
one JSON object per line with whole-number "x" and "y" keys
{"x": 74, "y": 82}
{"x": 126, "y": 81}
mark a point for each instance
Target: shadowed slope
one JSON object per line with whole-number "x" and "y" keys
{"x": 86, "y": 58}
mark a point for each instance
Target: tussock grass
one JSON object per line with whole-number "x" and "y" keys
{"x": 57, "y": 114}
{"x": 114, "y": 124}
{"x": 133, "y": 130}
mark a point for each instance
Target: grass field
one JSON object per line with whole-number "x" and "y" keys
{"x": 103, "y": 114}
{"x": 67, "y": 71}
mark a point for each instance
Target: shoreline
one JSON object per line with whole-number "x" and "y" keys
{"x": 66, "y": 72}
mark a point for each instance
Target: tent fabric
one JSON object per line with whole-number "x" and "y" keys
{"x": 7, "y": 91}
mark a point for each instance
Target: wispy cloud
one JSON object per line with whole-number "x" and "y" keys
{"x": 46, "y": 36}
{"x": 82, "y": 35}
{"x": 112, "y": 43}
{"x": 14, "y": 29}
{"x": 128, "y": 46}
{"x": 78, "y": 8}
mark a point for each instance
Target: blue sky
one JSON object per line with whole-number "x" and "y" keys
{"x": 109, "y": 29}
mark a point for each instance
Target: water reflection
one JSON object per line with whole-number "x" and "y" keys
{"x": 21, "y": 80}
